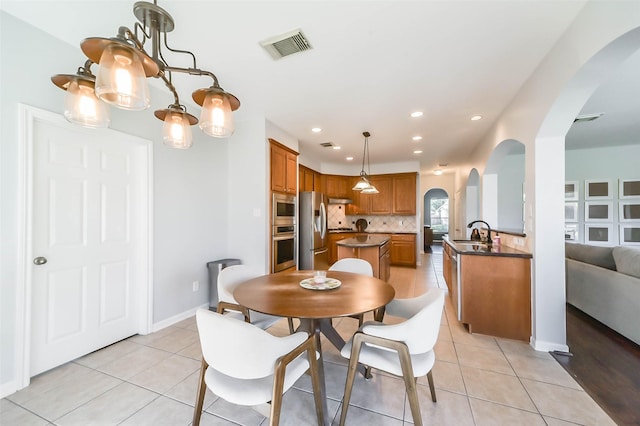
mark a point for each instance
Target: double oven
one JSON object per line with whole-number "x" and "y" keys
{"x": 283, "y": 232}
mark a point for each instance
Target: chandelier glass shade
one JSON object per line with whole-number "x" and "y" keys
{"x": 364, "y": 185}
{"x": 216, "y": 118}
{"x": 123, "y": 68}
{"x": 121, "y": 80}
{"x": 81, "y": 105}
{"x": 176, "y": 130}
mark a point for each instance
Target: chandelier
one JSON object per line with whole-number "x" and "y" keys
{"x": 364, "y": 185}
{"x": 121, "y": 81}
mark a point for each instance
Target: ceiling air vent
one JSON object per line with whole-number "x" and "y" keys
{"x": 326, "y": 144}
{"x": 286, "y": 44}
{"x": 587, "y": 117}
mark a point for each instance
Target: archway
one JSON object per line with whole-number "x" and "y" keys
{"x": 436, "y": 215}
{"x": 544, "y": 188}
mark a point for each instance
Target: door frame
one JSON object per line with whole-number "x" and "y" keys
{"x": 27, "y": 117}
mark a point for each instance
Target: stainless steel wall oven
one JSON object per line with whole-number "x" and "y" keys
{"x": 284, "y": 247}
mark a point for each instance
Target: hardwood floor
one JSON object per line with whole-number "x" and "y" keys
{"x": 606, "y": 365}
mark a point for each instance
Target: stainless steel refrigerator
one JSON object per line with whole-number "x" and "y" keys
{"x": 313, "y": 249}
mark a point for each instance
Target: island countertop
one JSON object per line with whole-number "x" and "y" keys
{"x": 364, "y": 241}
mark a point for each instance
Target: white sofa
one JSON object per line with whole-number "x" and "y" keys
{"x": 604, "y": 282}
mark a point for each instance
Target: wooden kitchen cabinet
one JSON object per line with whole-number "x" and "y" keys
{"x": 373, "y": 204}
{"x": 496, "y": 296}
{"x": 308, "y": 179}
{"x": 397, "y": 196}
{"x": 403, "y": 249}
{"x": 284, "y": 168}
{"x": 491, "y": 293}
{"x": 333, "y": 246}
{"x": 446, "y": 266}
{"x": 404, "y": 194}
{"x": 381, "y": 203}
{"x": 378, "y": 257}
{"x": 336, "y": 186}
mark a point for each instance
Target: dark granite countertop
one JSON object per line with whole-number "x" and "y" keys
{"x": 364, "y": 241}
{"x": 477, "y": 248}
{"x": 342, "y": 231}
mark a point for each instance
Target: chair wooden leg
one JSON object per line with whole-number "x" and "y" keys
{"x": 410, "y": 384}
{"x": 351, "y": 375}
{"x": 367, "y": 372}
{"x": 290, "y": 322}
{"x": 432, "y": 388}
{"x": 315, "y": 382}
{"x": 276, "y": 398}
{"x": 202, "y": 388}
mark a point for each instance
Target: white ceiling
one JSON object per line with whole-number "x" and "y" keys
{"x": 372, "y": 64}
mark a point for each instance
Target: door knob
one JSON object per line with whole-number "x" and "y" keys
{"x": 39, "y": 260}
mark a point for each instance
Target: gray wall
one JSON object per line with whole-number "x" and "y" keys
{"x": 190, "y": 198}
{"x": 614, "y": 163}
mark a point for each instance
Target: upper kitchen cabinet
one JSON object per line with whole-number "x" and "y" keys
{"x": 396, "y": 196}
{"x": 309, "y": 180}
{"x": 382, "y": 202}
{"x": 404, "y": 194}
{"x": 336, "y": 186}
{"x": 284, "y": 168}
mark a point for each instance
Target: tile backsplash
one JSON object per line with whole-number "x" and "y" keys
{"x": 337, "y": 218}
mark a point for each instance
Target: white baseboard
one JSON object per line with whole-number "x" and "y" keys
{"x": 176, "y": 318}
{"x": 548, "y": 346}
{"x": 7, "y": 389}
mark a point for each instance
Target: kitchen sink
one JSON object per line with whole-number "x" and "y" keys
{"x": 470, "y": 242}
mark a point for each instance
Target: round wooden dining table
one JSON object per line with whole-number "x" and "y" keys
{"x": 281, "y": 294}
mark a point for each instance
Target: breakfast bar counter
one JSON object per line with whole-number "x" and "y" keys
{"x": 364, "y": 241}
{"x": 372, "y": 248}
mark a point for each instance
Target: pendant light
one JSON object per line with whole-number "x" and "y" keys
{"x": 121, "y": 79}
{"x": 81, "y": 105}
{"x": 364, "y": 185}
{"x": 176, "y": 132}
{"x": 124, "y": 66}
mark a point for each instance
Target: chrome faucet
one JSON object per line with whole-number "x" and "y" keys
{"x": 489, "y": 241}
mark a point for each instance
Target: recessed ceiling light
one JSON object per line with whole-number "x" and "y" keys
{"x": 417, "y": 138}
{"x": 437, "y": 172}
{"x": 416, "y": 114}
{"x": 418, "y": 151}
{"x": 349, "y": 158}
{"x": 316, "y": 130}
{"x": 476, "y": 118}
{"x": 336, "y": 148}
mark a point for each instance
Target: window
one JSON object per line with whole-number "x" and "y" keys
{"x": 439, "y": 214}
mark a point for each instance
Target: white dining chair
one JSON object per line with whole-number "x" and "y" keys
{"x": 357, "y": 266}
{"x": 406, "y": 308}
{"x": 228, "y": 279}
{"x": 246, "y": 365}
{"x": 404, "y": 349}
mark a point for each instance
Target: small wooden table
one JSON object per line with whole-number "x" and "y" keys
{"x": 281, "y": 294}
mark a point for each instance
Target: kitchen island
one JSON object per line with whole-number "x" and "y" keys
{"x": 372, "y": 248}
{"x": 490, "y": 287}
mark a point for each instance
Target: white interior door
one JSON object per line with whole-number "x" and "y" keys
{"x": 89, "y": 241}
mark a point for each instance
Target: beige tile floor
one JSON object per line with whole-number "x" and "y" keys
{"x": 151, "y": 380}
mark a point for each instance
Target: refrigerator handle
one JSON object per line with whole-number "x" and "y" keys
{"x": 323, "y": 221}
{"x": 321, "y": 251}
